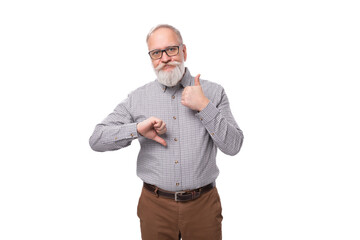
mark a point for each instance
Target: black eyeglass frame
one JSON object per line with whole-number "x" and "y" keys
{"x": 164, "y": 50}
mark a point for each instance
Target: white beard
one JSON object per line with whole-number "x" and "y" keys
{"x": 170, "y": 78}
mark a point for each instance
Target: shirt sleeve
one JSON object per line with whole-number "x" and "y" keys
{"x": 221, "y": 125}
{"x": 116, "y": 131}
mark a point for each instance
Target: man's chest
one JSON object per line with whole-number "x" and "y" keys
{"x": 166, "y": 106}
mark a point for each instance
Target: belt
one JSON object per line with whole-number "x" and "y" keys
{"x": 181, "y": 196}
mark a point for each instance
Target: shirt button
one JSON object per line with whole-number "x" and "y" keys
{"x": 116, "y": 138}
{"x": 201, "y": 119}
{"x": 177, "y": 184}
{"x": 173, "y": 97}
{"x": 174, "y": 117}
{"x": 212, "y": 134}
{"x": 176, "y": 162}
{"x": 175, "y": 139}
{"x": 132, "y": 135}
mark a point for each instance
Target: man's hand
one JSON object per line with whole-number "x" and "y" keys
{"x": 151, "y": 128}
{"x": 193, "y": 96}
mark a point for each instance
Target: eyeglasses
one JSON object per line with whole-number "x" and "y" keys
{"x": 170, "y": 51}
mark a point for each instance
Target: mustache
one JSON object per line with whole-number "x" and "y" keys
{"x": 161, "y": 65}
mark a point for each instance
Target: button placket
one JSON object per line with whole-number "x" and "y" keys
{"x": 175, "y": 101}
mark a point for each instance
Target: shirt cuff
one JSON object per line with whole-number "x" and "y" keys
{"x": 128, "y": 131}
{"x": 208, "y": 113}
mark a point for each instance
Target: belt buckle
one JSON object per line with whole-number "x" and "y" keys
{"x": 176, "y": 195}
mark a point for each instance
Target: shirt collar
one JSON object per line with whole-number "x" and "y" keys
{"x": 186, "y": 80}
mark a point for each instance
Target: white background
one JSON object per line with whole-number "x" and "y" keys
{"x": 290, "y": 69}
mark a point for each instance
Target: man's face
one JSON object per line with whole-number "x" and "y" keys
{"x": 161, "y": 39}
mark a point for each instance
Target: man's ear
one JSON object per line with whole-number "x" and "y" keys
{"x": 184, "y": 52}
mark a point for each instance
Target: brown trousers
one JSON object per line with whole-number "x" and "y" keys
{"x": 165, "y": 219}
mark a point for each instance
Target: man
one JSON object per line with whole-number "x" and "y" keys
{"x": 180, "y": 121}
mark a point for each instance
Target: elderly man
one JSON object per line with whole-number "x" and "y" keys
{"x": 180, "y": 121}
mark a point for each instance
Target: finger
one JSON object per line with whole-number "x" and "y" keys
{"x": 184, "y": 92}
{"x": 162, "y": 131}
{"x": 196, "y": 80}
{"x": 153, "y": 120}
{"x": 158, "y": 124}
{"x": 161, "y": 126}
{"x": 160, "y": 140}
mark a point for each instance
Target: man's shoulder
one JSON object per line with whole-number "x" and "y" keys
{"x": 210, "y": 83}
{"x": 211, "y": 86}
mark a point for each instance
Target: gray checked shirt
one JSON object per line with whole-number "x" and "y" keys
{"x": 189, "y": 159}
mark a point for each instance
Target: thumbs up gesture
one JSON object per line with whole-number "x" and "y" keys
{"x": 193, "y": 96}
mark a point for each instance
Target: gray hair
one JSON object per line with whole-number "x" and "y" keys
{"x": 177, "y": 32}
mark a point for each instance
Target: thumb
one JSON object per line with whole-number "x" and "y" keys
{"x": 196, "y": 80}
{"x": 160, "y": 140}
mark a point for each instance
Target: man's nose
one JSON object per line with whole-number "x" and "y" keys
{"x": 165, "y": 58}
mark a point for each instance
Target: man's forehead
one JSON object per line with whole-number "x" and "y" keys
{"x": 162, "y": 37}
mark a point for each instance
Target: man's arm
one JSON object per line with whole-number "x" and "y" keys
{"x": 218, "y": 120}
{"x": 116, "y": 131}
{"x": 221, "y": 125}
{"x": 119, "y": 129}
